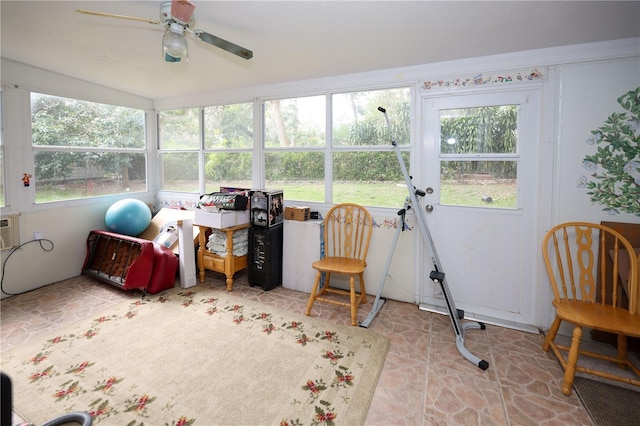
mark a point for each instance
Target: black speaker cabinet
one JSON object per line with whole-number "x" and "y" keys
{"x": 265, "y": 256}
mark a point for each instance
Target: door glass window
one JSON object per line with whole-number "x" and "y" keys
{"x": 479, "y": 156}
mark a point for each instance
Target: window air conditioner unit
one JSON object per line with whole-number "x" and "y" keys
{"x": 9, "y": 232}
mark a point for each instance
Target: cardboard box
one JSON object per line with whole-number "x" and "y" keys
{"x": 267, "y": 208}
{"x": 221, "y": 219}
{"x": 300, "y": 213}
{"x": 167, "y": 217}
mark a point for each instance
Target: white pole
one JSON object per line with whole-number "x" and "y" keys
{"x": 186, "y": 253}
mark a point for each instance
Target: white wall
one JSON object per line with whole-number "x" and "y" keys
{"x": 67, "y": 228}
{"x": 588, "y": 95}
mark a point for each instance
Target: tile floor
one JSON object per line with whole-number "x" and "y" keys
{"x": 424, "y": 380}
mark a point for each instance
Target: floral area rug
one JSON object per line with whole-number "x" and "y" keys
{"x": 199, "y": 357}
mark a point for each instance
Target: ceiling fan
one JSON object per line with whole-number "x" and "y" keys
{"x": 177, "y": 17}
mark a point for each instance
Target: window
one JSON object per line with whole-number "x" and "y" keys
{"x": 364, "y": 163}
{"x": 85, "y": 149}
{"x": 479, "y": 156}
{"x": 179, "y": 147}
{"x": 360, "y": 159}
{"x": 228, "y": 145}
{"x": 227, "y": 154}
{"x": 295, "y": 141}
{"x": 328, "y": 148}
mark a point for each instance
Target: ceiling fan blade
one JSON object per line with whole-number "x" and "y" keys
{"x": 182, "y": 10}
{"x": 112, "y": 15}
{"x": 223, "y": 44}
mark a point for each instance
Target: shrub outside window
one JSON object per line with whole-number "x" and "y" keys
{"x": 85, "y": 149}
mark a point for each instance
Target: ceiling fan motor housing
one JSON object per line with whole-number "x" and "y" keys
{"x": 180, "y": 11}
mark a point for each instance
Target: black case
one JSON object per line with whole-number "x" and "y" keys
{"x": 265, "y": 256}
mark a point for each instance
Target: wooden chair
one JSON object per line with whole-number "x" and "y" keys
{"x": 570, "y": 252}
{"x": 347, "y": 232}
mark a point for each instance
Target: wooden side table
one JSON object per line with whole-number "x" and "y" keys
{"x": 227, "y": 264}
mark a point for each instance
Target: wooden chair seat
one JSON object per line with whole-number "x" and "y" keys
{"x": 576, "y": 272}
{"x": 340, "y": 265}
{"x": 599, "y": 317}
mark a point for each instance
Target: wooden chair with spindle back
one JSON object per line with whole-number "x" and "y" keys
{"x": 347, "y": 233}
{"x": 570, "y": 252}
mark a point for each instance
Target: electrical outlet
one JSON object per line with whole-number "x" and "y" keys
{"x": 37, "y": 235}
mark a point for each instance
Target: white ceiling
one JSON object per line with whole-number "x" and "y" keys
{"x": 292, "y": 40}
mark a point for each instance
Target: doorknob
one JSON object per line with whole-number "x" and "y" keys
{"x": 428, "y": 208}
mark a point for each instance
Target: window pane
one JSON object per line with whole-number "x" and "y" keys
{"x": 229, "y": 169}
{"x": 299, "y": 174}
{"x": 179, "y": 129}
{"x": 69, "y": 122}
{"x": 357, "y": 122}
{"x": 179, "y": 172}
{"x": 369, "y": 178}
{"x": 479, "y": 183}
{"x": 485, "y": 130}
{"x": 64, "y": 175}
{"x": 228, "y": 126}
{"x": 298, "y": 122}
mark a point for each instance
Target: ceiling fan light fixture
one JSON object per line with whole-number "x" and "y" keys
{"x": 169, "y": 58}
{"x": 174, "y": 42}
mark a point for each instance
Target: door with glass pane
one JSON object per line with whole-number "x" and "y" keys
{"x": 479, "y": 165}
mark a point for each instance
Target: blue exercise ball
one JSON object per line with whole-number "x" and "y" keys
{"x": 128, "y": 217}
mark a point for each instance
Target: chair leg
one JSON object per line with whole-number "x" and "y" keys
{"x": 622, "y": 351}
{"x": 363, "y": 290}
{"x": 572, "y": 361}
{"x": 327, "y": 280}
{"x": 551, "y": 335}
{"x": 352, "y": 297}
{"x": 314, "y": 290}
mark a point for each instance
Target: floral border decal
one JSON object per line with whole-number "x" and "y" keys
{"x": 614, "y": 169}
{"x": 500, "y": 77}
